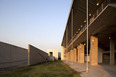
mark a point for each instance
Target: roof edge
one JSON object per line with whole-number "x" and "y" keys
{"x": 67, "y": 20}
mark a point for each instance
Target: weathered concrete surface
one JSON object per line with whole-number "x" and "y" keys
{"x": 62, "y": 53}
{"x": 36, "y": 55}
{"x": 81, "y": 53}
{"x": 112, "y": 51}
{"x": 94, "y": 50}
{"x": 12, "y": 56}
{"x": 81, "y": 50}
{"x": 75, "y": 54}
{"x": 94, "y": 71}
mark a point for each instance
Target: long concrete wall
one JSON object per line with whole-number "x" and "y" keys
{"x": 12, "y": 56}
{"x": 36, "y": 55}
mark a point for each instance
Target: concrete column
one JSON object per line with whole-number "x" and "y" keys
{"x": 78, "y": 53}
{"x": 68, "y": 56}
{"x": 112, "y": 52}
{"x": 81, "y": 53}
{"x": 93, "y": 50}
{"x": 74, "y": 54}
{"x": 62, "y": 52}
{"x": 71, "y": 55}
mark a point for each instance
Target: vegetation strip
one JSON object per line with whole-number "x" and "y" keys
{"x": 48, "y": 69}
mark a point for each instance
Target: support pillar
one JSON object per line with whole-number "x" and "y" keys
{"x": 74, "y": 54}
{"x": 71, "y": 58}
{"x": 112, "y": 52}
{"x": 62, "y": 52}
{"x": 65, "y": 56}
{"x": 81, "y": 53}
{"x": 78, "y": 53}
{"x": 68, "y": 56}
{"x": 93, "y": 50}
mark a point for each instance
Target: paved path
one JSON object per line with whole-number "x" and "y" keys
{"x": 94, "y": 71}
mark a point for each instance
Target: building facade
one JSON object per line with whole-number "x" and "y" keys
{"x": 101, "y": 32}
{"x": 53, "y": 52}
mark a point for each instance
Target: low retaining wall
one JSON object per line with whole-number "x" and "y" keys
{"x": 36, "y": 55}
{"x": 12, "y": 56}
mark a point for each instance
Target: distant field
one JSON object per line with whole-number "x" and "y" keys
{"x": 49, "y": 69}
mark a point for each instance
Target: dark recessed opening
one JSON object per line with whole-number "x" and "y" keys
{"x": 51, "y": 53}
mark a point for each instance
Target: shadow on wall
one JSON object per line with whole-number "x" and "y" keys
{"x": 13, "y": 56}
{"x": 36, "y": 55}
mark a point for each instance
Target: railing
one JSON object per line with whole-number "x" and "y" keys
{"x": 91, "y": 19}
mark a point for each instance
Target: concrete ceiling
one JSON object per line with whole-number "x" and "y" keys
{"x": 103, "y": 22}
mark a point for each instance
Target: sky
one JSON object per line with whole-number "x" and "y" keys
{"x": 40, "y": 23}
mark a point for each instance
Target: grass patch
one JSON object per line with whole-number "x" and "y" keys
{"x": 49, "y": 69}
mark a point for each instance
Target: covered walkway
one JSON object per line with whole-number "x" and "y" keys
{"x": 94, "y": 71}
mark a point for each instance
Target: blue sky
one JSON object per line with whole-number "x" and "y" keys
{"x": 37, "y": 22}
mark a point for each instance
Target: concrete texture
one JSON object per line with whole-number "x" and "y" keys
{"x": 94, "y": 71}
{"x": 112, "y": 52}
{"x": 94, "y": 50}
{"x": 62, "y": 53}
{"x": 81, "y": 53}
{"x": 36, "y": 55}
{"x": 78, "y": 53}
{"x": 71, "y": 55}
{"x": 105, "y": 31}
{"x": 81, "y": 50}
{"x": 12, "y": 56}
{"x": 100, "y": 55}
{"x": 67, "y": 56}
{"x": 55, "y": 52}
{"x": 75, "y": 54}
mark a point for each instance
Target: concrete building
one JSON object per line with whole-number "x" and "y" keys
{"x": 53, "y": 52}
{"x": 102, "y": 33}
